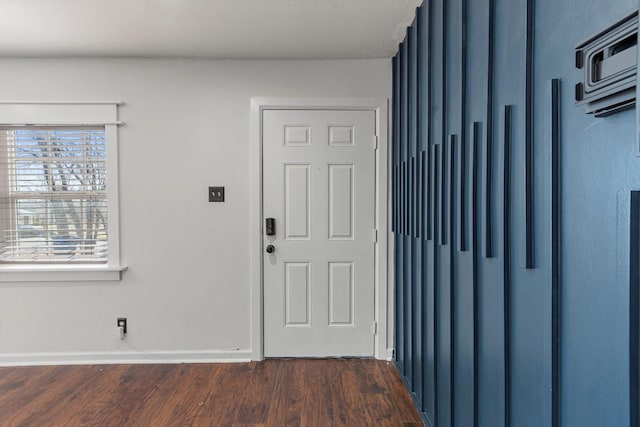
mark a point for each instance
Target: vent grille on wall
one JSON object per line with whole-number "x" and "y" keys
{"x": 609, "y": 61}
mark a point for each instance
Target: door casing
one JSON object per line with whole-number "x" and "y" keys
{"x": 381, "y": 273}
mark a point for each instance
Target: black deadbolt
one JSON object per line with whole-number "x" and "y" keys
{"x": 270, "y": 227}
{"x": 271, "y": 249}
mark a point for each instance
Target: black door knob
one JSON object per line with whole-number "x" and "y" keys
{"x": 271, "y": 249}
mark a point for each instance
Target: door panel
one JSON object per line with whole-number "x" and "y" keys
{"x": 341, "y": 202}
{"x": 296, "y": 202}
{"x": 319, "y": 185}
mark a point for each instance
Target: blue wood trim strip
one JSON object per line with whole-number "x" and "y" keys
{"x": 401, "y": 201}
{"x": 488, "y": 216}
{"x": 529, "y": 208}
{"x": 464, "y": 213}
{"x": 475, "y": 237}
{"x": 464, "y": 218}
{"x": 399, "y": 303}
{"x": 443, "y": 124}
{"x": 556, "y": 291}
{"x": 452, "y": 186}
{"x": 419, "y": 199}
{"x": 507, "y": 262}
{"x": 417, "y": 309}
{"x": 422, "y": 118}
{"x": 436, "y": 282}
{"x": 424, "y": 192}
{"x": 430, "y": 187}
{"x": 444, "y": 65}
{"x": 427, "y": 298}
{"x": 444, "y": 233}
{"x": 395, "y": 198}
{"x": 393, "y": 143}
{"x": 412, "y": 122}
{"x": 407, "y": 265}
{"x": 452, "y": 271}
{"x": 402, "y": 197}
{"x": 634, "y": 312}
{"x": 418, "y": 129}
{"x": 405, "y": 199}
{"x": 410, "y": 130}
{"x": 414, "y": 198}
{"x": 410, "y": 191}
{"x": 404, "y": 137}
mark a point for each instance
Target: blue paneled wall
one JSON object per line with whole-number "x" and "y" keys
{"x": 516, "y": 219}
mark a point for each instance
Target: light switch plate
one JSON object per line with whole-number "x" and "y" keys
{"x": 216, "y": 194}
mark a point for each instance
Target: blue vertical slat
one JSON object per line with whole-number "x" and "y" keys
{"x": 399, "y": 267}
{"x": 436, "y": 287}
{"x": 394, "y": 142}
{"x": 406, "y": 266}
{"x": 506, "y": 137}
{"x": 428, "y": 251}
{"x": 452, "y": 276}
{"x": 414, "y": 242}
{"x": 634, "y": 299}
{"x": 475, "y": 252}
{"x": 556, "y": 282}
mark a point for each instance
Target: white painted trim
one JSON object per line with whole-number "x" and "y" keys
{"x": 67, "y": 123}
{"x": 59, "y": 273}
{"x": 382, "y": 224}
{"x": 391, "y": 282}
{"x": 255, "y": 230}
{"x": 50, "y": 113}
{"x": 125, "y": 357}
{"x": 113, "y": 197}
{"x": 390, "y": 354}
{"x": 64, "y": 102}
{"x": 380, "y": 107}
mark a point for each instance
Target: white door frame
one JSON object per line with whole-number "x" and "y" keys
{"x": 256, "y": 259}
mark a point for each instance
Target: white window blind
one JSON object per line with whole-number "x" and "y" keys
{"x": 53, "y": 194}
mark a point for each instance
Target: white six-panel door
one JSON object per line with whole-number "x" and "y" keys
{"x": 319, "y": 186}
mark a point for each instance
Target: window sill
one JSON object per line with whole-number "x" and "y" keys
{"x": 59, "y": 273}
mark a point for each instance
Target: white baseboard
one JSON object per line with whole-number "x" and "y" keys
{"x": 126, "y": 357}
{"x": 389, "y": 354}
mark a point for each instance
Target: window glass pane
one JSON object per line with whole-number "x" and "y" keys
{"x": 54, "y": 207}
{"x": 58, "y": 160}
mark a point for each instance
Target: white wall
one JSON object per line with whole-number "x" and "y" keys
{"x": 187, "y": 127}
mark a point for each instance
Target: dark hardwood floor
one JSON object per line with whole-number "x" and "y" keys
{"x": 333, "y": 392}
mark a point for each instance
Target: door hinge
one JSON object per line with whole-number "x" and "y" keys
{"x": 375, "y": 142}
{"x": 374, "y": 327}
{"x": 374, "y": 236}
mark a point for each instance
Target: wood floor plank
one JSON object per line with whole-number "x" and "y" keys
{"x": 58, "y": 397}
{"x": 220, "y": 406}
{"x": 377, "y": 402}
{"x": 260, "y": 391}
{"x": 126, "y": 391}
{"x": 279, "y": 392}
{"x": 317, "y": 407}
{"x": 286, "y": 407}
{"x": 78, "y": 409}
{"x": 21, "y": 383}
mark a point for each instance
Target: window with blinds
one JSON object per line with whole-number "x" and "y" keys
{"x": 53, "y": 198}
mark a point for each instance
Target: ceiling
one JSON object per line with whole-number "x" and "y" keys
{"x": 229, "y": 29}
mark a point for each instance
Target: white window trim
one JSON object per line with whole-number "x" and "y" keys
{"x": 73, "y": 114}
